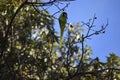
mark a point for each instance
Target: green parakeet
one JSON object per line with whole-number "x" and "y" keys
{"x": 62, "y": 22}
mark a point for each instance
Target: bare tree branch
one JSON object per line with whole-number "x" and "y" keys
{"x": 60, "y": 9}
{"x": 90, "y": 26}
{"x": 92, "y": 72}
{"x": 42, "y": 3}
{"x": 82, "y": 55}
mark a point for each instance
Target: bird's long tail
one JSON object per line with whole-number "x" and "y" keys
{"x": 61, "y": 37}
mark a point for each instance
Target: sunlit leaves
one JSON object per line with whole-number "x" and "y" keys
{"x": 113, "y": 60}
{"x": 32, "y": 48}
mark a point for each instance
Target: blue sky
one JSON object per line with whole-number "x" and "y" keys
{"x": 83, "y": 10}
{"x": 102, "y": 45}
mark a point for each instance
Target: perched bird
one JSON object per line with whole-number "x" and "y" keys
{"x": 62, "y": 22}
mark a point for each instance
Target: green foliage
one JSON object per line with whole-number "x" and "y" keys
{"x": 29, "y": 48}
